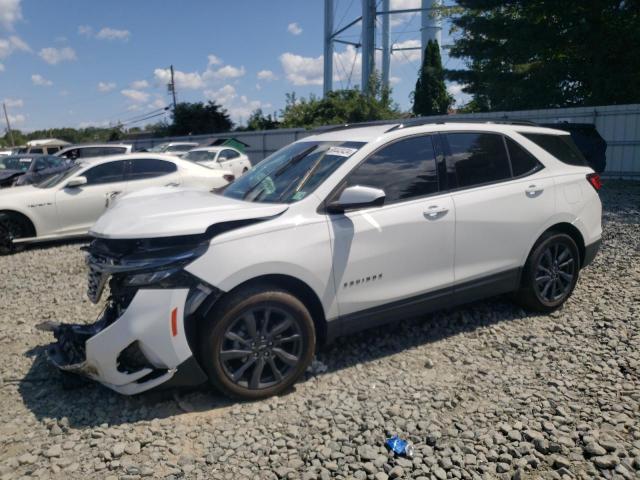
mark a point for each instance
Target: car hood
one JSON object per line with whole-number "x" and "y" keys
{"x": 172, "y": 212}
{"x": 10, "y": 173}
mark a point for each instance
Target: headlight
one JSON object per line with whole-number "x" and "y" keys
{"x": 149, "y": 278}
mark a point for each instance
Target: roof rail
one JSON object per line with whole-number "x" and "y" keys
{"x": 425, "y": 121}
{"x": 347, "y": 126}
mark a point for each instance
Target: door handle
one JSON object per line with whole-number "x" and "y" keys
{"x": 110, "y": 196}
{"x": 435, "y": 211}
{"x": 533, "y": 191}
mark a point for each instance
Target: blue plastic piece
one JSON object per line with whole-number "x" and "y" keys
{"x": 399, "y": 446}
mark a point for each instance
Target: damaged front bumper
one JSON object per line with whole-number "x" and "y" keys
{"x": 140, "y": 340}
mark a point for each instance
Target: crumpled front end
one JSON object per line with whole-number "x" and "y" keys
{"x": 140, "y": 340}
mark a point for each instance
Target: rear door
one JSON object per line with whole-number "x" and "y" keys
{"x": 79, "y": 207}
{"x": 503, "y": 197}
{"x": 230, "y": 160}
{"x": 399, "y": 254}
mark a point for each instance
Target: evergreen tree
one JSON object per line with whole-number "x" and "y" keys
{"x": 430, "y": 96}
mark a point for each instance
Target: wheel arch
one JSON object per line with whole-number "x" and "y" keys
{"x": 28, "y": 221}
{"x": 300, "y": 290}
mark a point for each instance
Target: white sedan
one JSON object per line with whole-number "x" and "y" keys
{"x": 225, "y": 158}
{"x": 68, "y": 203}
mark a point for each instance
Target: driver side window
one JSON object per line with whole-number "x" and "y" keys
{"x": 109, "y": 172}
{"x": 406, "y": 169}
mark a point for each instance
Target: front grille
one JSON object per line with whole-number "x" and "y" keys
{"x": 96, "y": 281}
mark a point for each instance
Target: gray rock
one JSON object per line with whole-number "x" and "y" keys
{"x": 606, "y": 462}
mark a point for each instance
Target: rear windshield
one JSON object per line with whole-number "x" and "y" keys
{"x": 560, "y": 146}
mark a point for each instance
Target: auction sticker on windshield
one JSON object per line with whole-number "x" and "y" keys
{"x": 342, "y": 151}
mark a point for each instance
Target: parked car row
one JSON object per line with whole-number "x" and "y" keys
{"x": 67, "y": 203}
{"x": 339, "y": 231}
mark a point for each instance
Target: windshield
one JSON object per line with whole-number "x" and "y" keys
{"x": 200, "y": 156}
{"x": 15, "y": 163}
{"x": 291, "y": 173}
{"x": 159, "y": 148}
{"x": 59, "y": 177}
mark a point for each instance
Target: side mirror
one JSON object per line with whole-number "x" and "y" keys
{"x": 76, "y": 182}
{"x": 355, "y": 197}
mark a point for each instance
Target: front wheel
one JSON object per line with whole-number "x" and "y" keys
{"x": 11, "y": 227}
{"x": 551, "y": 273}
{"x": 258, "y": 342}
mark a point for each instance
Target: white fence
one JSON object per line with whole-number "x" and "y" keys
{"x": 618, "y": 124}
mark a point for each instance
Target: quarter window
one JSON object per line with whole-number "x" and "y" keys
{"x": 228, "y": 155}
{"x": 150, "y": 168}
{"x": 105, "y": 173}
{"x": 405, "y": 169}
{"x": 522, "y": 162}
{"x": 476, "y": 159}
{"x": 560, "y": 146}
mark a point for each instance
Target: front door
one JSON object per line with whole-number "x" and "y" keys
{"x": 79, "y": 207}
{"x": 402, "y": 253}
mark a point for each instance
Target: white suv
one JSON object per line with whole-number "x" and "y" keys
{"x": 335, "y": 233}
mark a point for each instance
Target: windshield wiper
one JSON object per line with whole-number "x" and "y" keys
{"x": 295, "y": 159}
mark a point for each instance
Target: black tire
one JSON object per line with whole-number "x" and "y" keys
{"x": 550, "y": 274}
{"x": 231, "y": 354}
{"x": 12, "y": 226}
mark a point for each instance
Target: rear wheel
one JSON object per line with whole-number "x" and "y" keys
{"x": 12, "y": 227}
{"x": 551, "y": 273}
{"x": 258, "y": 343}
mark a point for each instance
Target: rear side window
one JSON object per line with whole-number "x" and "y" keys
{"x": 405, "y": 169}
{"x": 149, "y": 168}
{"x": 560, "y": 146}
{"x": 522, "y": 162}
{"x": 476, "y": 159}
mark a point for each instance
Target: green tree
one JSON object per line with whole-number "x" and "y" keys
{"x": 340, "y": 106}
{"x": 543, "y": 53}
{"x": 259, "y": 121}
{"x": 197, "y": 118}
{"x": 430, "y": 96}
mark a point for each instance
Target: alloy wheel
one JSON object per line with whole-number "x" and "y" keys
{"x": 261, "y": 347}
{"x": 555, "y": 272}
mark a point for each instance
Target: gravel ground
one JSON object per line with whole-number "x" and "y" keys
{"x": 484, "y": 391}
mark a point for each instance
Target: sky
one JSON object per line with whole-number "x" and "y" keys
{"x": 78, "y": 63}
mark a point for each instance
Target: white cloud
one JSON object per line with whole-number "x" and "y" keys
{"x": 213, "y": 60}
{"x": 266, "y": 75}
{"x": 53, "y": 55}
{"x": 226, "y": 72}
{"x": 106, "y": 86}
{"x": 10, "y": 13}
{"x": 190, "y": 81}
{"x": 17, "y": 119}
{"x": 460, "y": 97}
{"x": 11, "y": 45}
{"x": 2, "y": 67}
{"x": 400, "y": 18}
{"x": 40, "y": 80}
{"x": 301, "y": 70}
{"x": 108, "y": 33}
{"x": 139, "y": 84}
{"x": 222, "y": 96}
{"x": 14, "y": 102}
{"x": 294, "y": 29}
{"x": 394, "y": 80}
{"x": 85, "y": 30}
{"x": 135, "y": 95}
{"x": 407, "y": 56}
{"x": 158, "y": 103}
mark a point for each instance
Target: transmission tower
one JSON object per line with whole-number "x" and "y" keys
{"x": 431, "y": 28}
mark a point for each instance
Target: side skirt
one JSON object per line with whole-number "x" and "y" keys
{"x": 448, "y": 297}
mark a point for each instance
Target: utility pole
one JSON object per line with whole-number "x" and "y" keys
{"x": 368, "y": 41}
{"x": 327, "y": 84}
{"x": 172, "y": 89}
{"x": 6, "y": 117}
{"x": 386, "y": 50}
{"x": 431, "y": 26}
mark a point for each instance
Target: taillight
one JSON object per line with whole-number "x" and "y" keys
{"x": 229, "y": 178}
{"x": 594, "y": 180}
